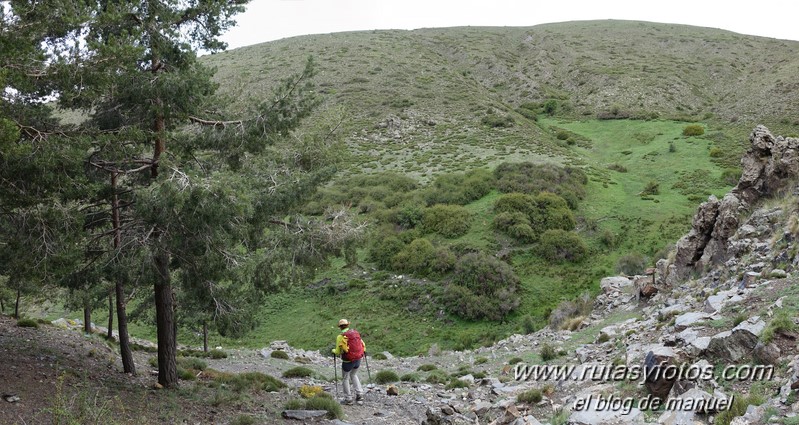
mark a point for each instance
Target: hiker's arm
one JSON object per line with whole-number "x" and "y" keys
{"x": 337, "y": 349}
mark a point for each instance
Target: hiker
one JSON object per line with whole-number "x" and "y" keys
{"x": 351, "y": 348}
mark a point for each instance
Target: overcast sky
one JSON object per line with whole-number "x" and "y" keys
{"x": 267, "y": 20}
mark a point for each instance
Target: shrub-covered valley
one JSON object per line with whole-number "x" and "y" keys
{"x": 496, "y": 174}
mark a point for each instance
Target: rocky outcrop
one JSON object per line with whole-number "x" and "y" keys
{"x": 769, "y": 164}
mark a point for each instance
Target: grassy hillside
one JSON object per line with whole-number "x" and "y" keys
{"x": 429, "y": 102}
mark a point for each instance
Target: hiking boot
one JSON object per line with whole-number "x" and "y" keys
{"x": 347, "y": 402}
{"x": 359, "y": 398}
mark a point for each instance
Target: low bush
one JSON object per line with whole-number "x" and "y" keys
{"x": 379, "y": 356}
{"x": 27, "y": 323}
{"x": 532, "y": 396}
{"x": 449, "y": 221}
{"x": 417, "y": 258}
{"x": 308, "y": 391}
{"x": 186, "y": 374}
{"x": 617, "y": 167}
{"x": 693, "y": 130}
{"x": 333, "y": 407}
{"x": 651, "y": 188}
{"x": 496, "y": 121}
{"x": 515, "y": 360}
{"x": 548, "y": 352}
{"x": 279, "y": 354}
{"x": 246, "y": 381}
{"x": 782, "y": 322}
{"x": 562, "y": 245}
{"x": 410, "y": 377}
{"x": 437, "y": 377}
{"x": 480, "y": 360}
{"x": 631, "y": 264}
{"x": 456, "y": 383}
{"x": 486, "y": 288}
{"x": 217, "y": 354}
{"x": 427, "y": 367}
{"x": 298, "y": 372}
{"x": 192, "y": 363}
{"x": 386, "y": 377}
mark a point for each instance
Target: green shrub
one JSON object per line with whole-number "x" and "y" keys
{"x": 631, "y": 264}
{"x": 384, "y": 248}
{"x": 496, "y": 121}
{"x": 617, "y": 167}
{"x": 486, "y": 288}
{"x": 479, "y": 375}
{"x": 480, "y": 360}
{"x": 528, "y": 324}
{"x": 532, "y": 396}
{"x": 386, "y": 377}
{"x": 515, "y": 360}
{"x": 693, "y": 130}
{"x": 427, "y": 367}
{"x": 782, "y": 322}
{"x": 410, "y": 377}
{"x": 379, "y": 356}
{"x": 279, "y": 354}
{"x": 186, "y": 374}
{"x": 437, "y": 377}
{"x": 298, "y": 372}
{"x": 27, "y": 323}
{"x": 217, "y": 354}
{"x": 460, "y": 188}
{"x": 651, "y": 188}
{"x": 716, "y": 152}
{"x": 409, "y": 217}
{"x": 192, "y": 363}
{"x": 561, "y": 245}
{"x": 246, "y": 381}
{"x": 333, "y": 408}
{"x": 449, "y": 221}
{"x": 607, "y": 238}
{"x": 243, "y": 420}
{"x": 548, "y": 352}
{"x": 532, "y": 178}
{"x": 738, "y": 408}
{"x": 417, "y": 257}
{"x": 456, "y": 383}
{"x": 295, "y": 404}
{"x": 525, "y": 217}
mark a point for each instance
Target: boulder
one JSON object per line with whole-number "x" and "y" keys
{"x": 769, "y": 164}
{"x": 656, "y": 380}
{"x": 689, "y": 319}
{"x": 766, "y": 354}
{"x": 738, "y": 343}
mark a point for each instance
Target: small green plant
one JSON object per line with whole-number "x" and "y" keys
{"x": 528, "y": 324}
{"x": 781, "y": 322}
{"x": 456, "y": 383}
{"x": 548, "y": 352}
{"x": 437, "y": 377}
{"x": 379, "y": 356}
{"x": 320, "y": 402}
{"x": 279, "y": 354}
{"x": 532, "y": 396}
{"x": 480, "y": 360}
{"x": 243, "y": 420}
{"x": 298, "y": 372}
{"x": 410, "y": 377}
{"x": 295, "y": 404}
{"x": 27, "y": 323}
{"x": 192, "y": 363}
{"x": 738, "y": 319}
{"x": 308, "y": 391}
{"x": 427, "y": 367}
{"x": 515, "y": 360}
{"x": 217, "y": 354}
{"x": 693, "y": 130}
{"x": 186, "y": 374}
{"x": 651, "y": 188}
{"x": 386, "y": 377}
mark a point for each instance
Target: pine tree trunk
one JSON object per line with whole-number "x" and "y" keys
{"x": 128, "y": 366}
{"x": 87, "y": 320}
{"x": 2, "y": 307}
{"x": 165, "y": 323}
{"x": 16, "y": 306}
{"x": 110, "y": 334}
{"x": 205, "y": 336}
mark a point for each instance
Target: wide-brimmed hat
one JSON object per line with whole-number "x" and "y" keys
{"x": 343, "y": 322}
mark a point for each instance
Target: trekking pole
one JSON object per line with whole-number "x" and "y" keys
{"x": 335, "y": 375}
{"x": 366, "y": 358}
